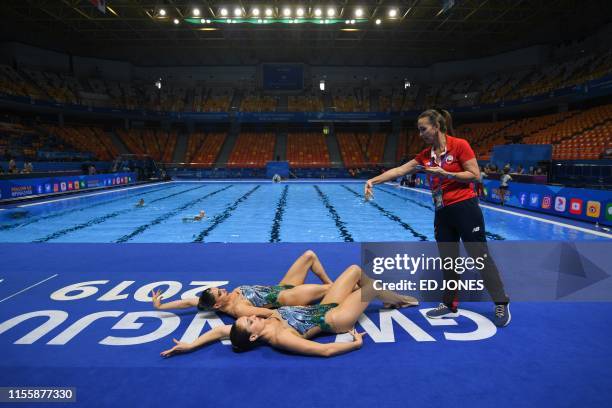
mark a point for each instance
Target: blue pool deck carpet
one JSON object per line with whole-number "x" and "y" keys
{"x": 553, "y": 354}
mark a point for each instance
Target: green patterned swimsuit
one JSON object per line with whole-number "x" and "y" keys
{"x": 263, "y": 296}
{"x": 304, "y": 318}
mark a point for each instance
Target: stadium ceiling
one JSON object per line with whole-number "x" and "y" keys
{"x": 423, "y": 31}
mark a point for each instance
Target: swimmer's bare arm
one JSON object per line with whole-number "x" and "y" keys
{"x": 290, "y": 342}
{"x": 177, "y": 304}
{"x": 394, "y": 173}
{"x": 210, "y": 336}
{"x": 245, "y": 310}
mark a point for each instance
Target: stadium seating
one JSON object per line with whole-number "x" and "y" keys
{"x": 252, "y": 150}
{"x": 156, "y": 143}
{"x": 306, "y": 103}
{"x": 307, "y": 150}
{"x": 255, "y": 103}
{"x": 203, "y": 149}
{"x": 351, "y": 150}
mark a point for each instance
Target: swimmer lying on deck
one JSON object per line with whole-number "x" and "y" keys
{"x": 258, "y": 300}
{"x": 290, "y": 327}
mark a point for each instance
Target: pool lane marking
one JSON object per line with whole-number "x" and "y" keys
{"x": 29, "y": 287}
{"x": 341, "y": 225}
{"x": 560, "y": 224}
{"x": 278, "y": 216}
{"x": 104, "y": 218}
{"x": 88, "y": 195}
{"x": 59, "y": 214}
{"x": 491, "y": 235}
{"x": 220, "y": 218}
{"x": 167, "y": 215}
{"x": 391, "y": 216}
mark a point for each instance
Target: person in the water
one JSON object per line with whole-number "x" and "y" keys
{"x": 201, "y": 215}
{"x": 141, "y": 203}
{"x": 289, "y": 328}
{"x": 247, "y": 300}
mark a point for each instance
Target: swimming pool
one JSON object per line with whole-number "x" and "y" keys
{"x": 256, "y": 212}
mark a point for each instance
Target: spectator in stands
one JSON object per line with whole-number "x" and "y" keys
{"x": 92, "y": 170}
{"x": 12, "y": 167}
{"x": 503, "y": 185}
{"x": 480, "y": 184}
{"x": 27, "y": 168}
{"x": 520, "y": 170}
{"x": 412, "y": 180}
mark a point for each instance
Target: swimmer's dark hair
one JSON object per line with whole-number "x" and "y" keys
{"x": 207, "y": 300}
{"x": 440, "y": 117}
{"x": 241, "y": 339}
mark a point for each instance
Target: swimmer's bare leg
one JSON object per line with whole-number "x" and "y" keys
{"x": 390, "y": 299}
{"x": 303, "y": 294}
{"x": 296, "y": 275}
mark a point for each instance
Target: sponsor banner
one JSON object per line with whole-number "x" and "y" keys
{"x": 64, "y": 155}
{"x": 40, "y": 186}
{"x": 578, "y": 203}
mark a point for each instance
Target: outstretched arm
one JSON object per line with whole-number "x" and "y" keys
{"x": 295, "y": 344}
{"x": 177, "y": 304}
{"x": 215, "y": 334}
{"x": 394, "y": 173}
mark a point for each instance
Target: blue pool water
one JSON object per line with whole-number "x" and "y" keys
{"x": 254, "y": 212}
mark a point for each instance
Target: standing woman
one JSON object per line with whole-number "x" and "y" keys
{"x": 451, "y": 167}
{"x": 503, "y": 184}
